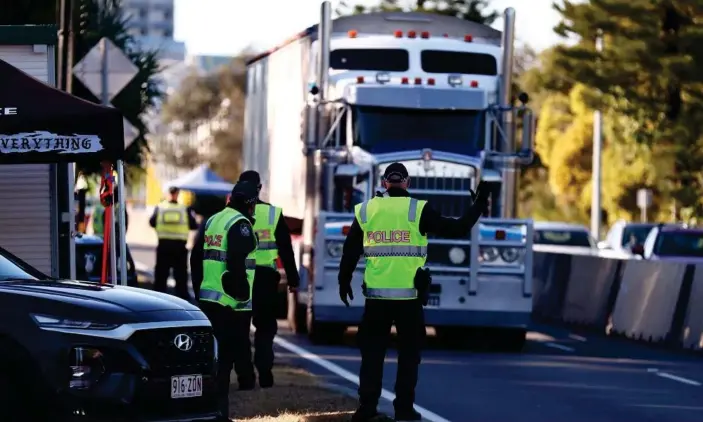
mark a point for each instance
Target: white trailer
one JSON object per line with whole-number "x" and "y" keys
{"x": 329, "y": 109}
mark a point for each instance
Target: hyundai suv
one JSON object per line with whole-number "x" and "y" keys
{"x": 74, "y": 350}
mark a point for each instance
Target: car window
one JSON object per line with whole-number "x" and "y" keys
{"x": 635, "y": 235}
{"x": 563, "y": 238}
{"x": 12, "y": 268}
{"x": 679, "y": 243}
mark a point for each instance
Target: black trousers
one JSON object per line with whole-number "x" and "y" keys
{"x": 172, "y": 255}
{"x": 264, "y": 302}
{"x": 373, "y": 335}
{"x": 234, "y": 348}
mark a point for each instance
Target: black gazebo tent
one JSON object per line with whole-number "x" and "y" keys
{"x": 41, "y": 124}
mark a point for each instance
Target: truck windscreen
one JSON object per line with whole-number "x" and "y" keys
{"x": 434, "y": 61}
{"x": 382, "y": 59}
{"x": 380, "y": 130}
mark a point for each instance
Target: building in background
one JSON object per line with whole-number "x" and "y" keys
{"x": 151, "y": 23}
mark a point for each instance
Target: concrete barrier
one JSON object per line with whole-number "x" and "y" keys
{"x": 652, "y": 301}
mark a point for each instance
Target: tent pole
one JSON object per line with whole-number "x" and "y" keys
{"x": 122, "y": 223}
{"x": 72, "y": 220}
{"x": 113, "y": 249}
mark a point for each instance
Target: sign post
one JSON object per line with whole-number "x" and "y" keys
{"x": 644, "y": 202}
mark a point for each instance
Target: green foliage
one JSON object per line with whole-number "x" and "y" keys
{"x": 203, "y": 99}
{"x": 141, "y": 94}
{"x": 472, "y": 10}
{"x": 650, "y": 72}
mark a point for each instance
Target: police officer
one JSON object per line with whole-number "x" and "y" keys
{"x": 173, "y": 223}
{"x": 391, "y": 232}
{"x": 225, "y": 245}
{"x": 274, "y": 241}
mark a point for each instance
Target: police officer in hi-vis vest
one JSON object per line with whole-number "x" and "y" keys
{"x": 390, "y": 231}
{"x": 274, "y": 242}
{"x": 173, "y": 223}
{"x": 226, "y": 245}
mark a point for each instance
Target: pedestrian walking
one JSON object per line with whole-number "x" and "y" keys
{"x": 173, "y": 223}
{"x": 225, "y": 249}
{"x": 391, "y": 230}
{"x": 274, "y": 242}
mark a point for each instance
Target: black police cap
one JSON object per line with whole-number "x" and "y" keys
{"x": 395, "y": 173}
{"x": 245, "y": 192}
{"x": 250, "y": 176}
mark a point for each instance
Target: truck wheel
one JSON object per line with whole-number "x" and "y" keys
{"x": 327, "y": 333}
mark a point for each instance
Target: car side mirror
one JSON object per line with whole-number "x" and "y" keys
{"x": 638, "y": 250}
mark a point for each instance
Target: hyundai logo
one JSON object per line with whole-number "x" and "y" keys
{"x": 183, "y": 342}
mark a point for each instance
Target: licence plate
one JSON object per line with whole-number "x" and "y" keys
{"x": 185, "y": 386}
{"x": 433, "y": 301}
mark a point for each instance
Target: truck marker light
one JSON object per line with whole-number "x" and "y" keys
{"x": 352, "y": 33}
{"x": 446, "y": 35}
{"x": 398, "y": 34}
{"x": 500, "y": 234}
{"x": 430, "y": 81}
{"x": 412, "y": 34}
{"x": 468, "y": 38}
{"x": 425, "y": 34}
{"x": 474, "y": 84}
{"x": 404, "y": 80}
{"x": 418, "y": 81}
{"x": 360, "y": 79}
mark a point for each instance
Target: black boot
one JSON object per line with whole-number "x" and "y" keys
{"x": 408, "y": 415}
{"x": 265, "y": 379}
{"x": 366, "y": 414}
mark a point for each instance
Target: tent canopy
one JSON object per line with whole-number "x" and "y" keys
{"x": 201, "y": 181}
{"x": 41, "y": 124}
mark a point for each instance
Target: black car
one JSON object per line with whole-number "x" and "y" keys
{"x": 83, "y": 351}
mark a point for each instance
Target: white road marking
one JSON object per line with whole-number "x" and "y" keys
{"x": 339, "y": 371}
{"x": 560, "y": 347}
{"x": 678, "y": 378}
{"x": 577, "y": 337}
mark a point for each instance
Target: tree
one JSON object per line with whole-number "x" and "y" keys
{"x": 217, "y": 100}
{"x": 651, "y": 74}
{"x": 472, "y": 10}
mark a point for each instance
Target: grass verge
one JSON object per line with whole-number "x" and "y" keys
{"x": 298, "y": 396}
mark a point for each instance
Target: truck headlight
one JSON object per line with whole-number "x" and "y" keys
{"x": 489, "y": 254}
{"x": 457, "y": 255}
{"x": 87, "y": 366}
{"x": 45, "y": 321}
{"x": 510, "y": 255}
{"x": 334, "y": 249}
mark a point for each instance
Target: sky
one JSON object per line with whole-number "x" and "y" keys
{"x": 226, "y": 27}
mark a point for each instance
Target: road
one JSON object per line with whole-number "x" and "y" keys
{"x": 560, "y": 376}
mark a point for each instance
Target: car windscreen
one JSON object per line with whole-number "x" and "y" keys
{"x": 679, "y": 243}
{"x": 635, "y": 234}
{"x": 12, "y": 268}
{"x": 381, "y": 59}
{"x": 563, "y": 238}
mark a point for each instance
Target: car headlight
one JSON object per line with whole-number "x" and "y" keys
{"x": 510, "y": 255}
{"x": 87, "y": 366}
{"x": 457, "y": 255}
{"x": 489, "y": 254}
{"x": 334, "y": 249}
{"x": 44, "y": 321}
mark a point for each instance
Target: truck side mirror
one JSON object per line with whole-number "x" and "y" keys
{"x": 523, "y": 98}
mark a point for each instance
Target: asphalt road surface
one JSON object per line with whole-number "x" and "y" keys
{"x": 560, "y": 376}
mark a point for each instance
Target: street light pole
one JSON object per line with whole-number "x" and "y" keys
{"x": 597, "y": 159}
